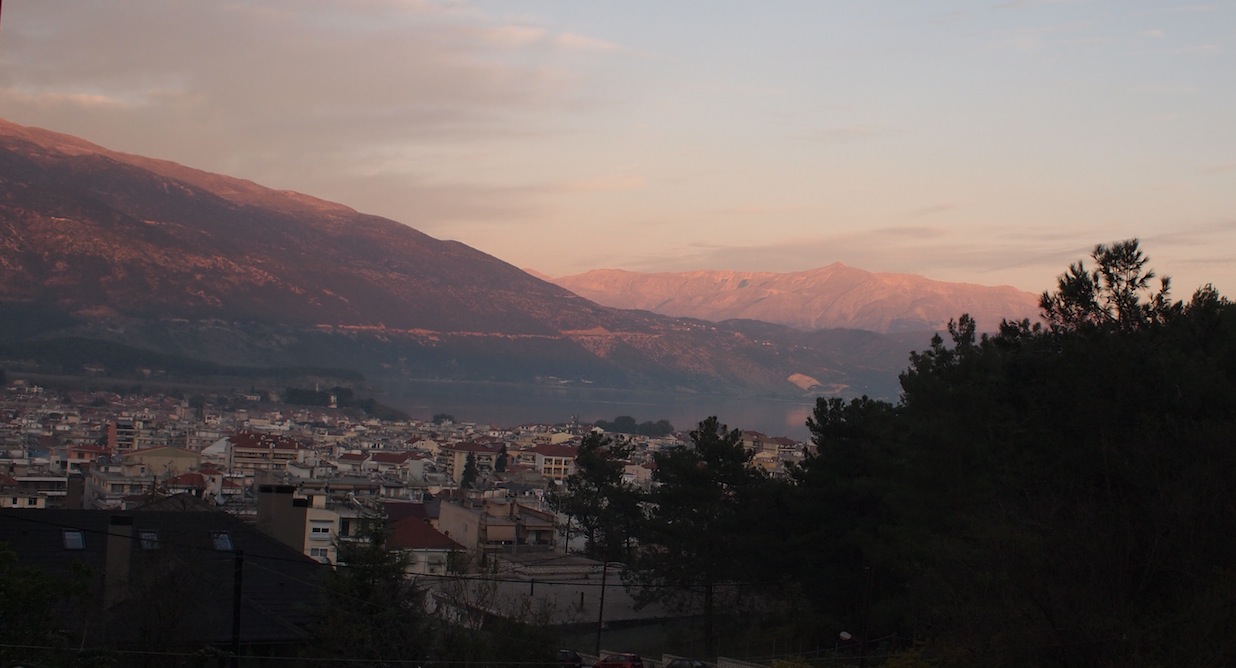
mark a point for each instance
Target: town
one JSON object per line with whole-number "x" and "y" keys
{"x": 466, "y": 506}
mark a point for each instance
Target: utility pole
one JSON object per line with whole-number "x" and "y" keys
{"x": 237, "y": 582}
{"x": 866, "y": 628}
{"x": 601, "y": 608}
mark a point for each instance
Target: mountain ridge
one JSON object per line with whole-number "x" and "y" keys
{"x": 255, "y": 253}
{"x": 832, "y": 296}
{"x": 101, "y": 245}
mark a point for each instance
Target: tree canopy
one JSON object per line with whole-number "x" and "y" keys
{"x": 1116, "y": 293}
{"x": 595, "y": 499}
{"x": 501, "y": 460}
{"x": 699, "y": 505}
{"x": 29, "y": 597}
{"x": 625, "y": 424}
{"x": 471, "y": 472}
{"x": 1053, "y": 493}
{"x": 370, "y": 612}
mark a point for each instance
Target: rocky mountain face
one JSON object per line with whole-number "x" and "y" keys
{"x": 100, "y": 245}
{"x": 830, "y": 297}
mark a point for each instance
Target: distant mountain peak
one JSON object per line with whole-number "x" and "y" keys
{"x": 831, "y": 296}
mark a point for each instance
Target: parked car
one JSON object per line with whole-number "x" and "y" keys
{"x": 569, "y": 658}
{"x": 620, "y": 660}
{"x": 687, "y": 663}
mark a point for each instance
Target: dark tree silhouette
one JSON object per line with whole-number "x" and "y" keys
{"x": 697, "y": 506}
{"x": 470, "y": 472}
{"x": 1046, "y": 495}
{"x": 597, "y": 501}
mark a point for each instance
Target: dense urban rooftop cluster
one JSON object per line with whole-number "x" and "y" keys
{"x": 107, "y": 451}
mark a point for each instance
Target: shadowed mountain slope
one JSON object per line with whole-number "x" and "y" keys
{"x": 100, "y": 245}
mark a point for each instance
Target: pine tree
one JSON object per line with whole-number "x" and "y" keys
{"x": 696, "y": 508}
{"x": 470, "y": 472}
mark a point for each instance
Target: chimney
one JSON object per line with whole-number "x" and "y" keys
{"x": 116, "y": 564}
{"x": 76, "y": 491}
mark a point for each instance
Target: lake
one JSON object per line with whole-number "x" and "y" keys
{"x": 507, "y": 405}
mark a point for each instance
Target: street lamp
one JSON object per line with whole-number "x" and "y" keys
{"x": 865, "y": 630}
{"x": 848, "y": 638}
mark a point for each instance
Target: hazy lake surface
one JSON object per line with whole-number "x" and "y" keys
{"x": 509, "y": 405}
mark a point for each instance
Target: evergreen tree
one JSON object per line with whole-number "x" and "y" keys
{"x": 370, "y": 613}
{"x": 29, "y": 600}
{"x": 596, "y": 500}
{"x": 1051, "y": 494}
{"x": 696, "y": 509}
{"x": 839, "y": 521}
{"x": 470, "y": 472}
{"x": 1110, "y": 295}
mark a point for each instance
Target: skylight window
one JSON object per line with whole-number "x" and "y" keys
{"x": 74, "y": 539}
{"x": 222, "y": 541}
{"x": 150, "y": 540}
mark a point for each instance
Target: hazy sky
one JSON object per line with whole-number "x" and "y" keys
{"x": 986, "y": 142}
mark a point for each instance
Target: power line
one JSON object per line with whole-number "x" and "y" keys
{"x": 427, "y": 663}
{"x": 582, "y": 582}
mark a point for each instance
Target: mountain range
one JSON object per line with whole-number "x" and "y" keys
{"x": 830, "y": 297}
{"x": 98, "y": 245}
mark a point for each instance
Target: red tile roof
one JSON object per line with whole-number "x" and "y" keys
{"x": 413, "y": 533}
{"x": 96, "y": 449}
{"x": 400, "y": 510}
{"x": 555, "y": 450}
{"x": 392, "y": 457}
{"x": 195, "y": 480}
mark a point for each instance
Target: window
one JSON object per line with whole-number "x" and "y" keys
{"x": 74, "y": 539}
{"x": 222, "y": 541}
{"x": 150, "y": 540}
{"x": 319, "y": 552}
{"x": 319, "y": 529}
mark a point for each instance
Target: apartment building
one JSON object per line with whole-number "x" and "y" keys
{"x": 255, "y": 451}
{"x": 453, "y": 458}
{"x": 553, "y": 461}
{"x": 492, "y": 525}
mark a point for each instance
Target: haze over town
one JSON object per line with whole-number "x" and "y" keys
{"x": 984, "y": 142}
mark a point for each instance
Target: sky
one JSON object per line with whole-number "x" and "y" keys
{"x": 991, "y": 142}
